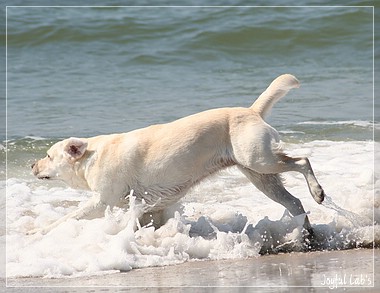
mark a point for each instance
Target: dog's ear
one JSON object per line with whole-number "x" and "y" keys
{"x": 75, "y": 147}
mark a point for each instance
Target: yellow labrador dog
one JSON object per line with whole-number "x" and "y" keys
{"x": 160, "y": 163}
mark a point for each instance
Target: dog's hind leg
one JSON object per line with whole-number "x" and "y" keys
{"x": 303, "y": 166}
{"x": 271, "y": 186}
{"x": 276, "y": 162}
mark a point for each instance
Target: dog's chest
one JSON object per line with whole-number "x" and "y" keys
{"x": 160, "y": 197}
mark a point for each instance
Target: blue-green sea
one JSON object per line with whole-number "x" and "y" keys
{"x": 83, "y": 71}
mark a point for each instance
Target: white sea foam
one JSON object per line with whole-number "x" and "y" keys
{"x": 224, "y": 217}
{"x": 358, "y": 123}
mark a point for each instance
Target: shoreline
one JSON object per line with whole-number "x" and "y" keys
{"x": 353, "y": 270}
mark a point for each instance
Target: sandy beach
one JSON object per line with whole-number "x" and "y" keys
{"x": 351, "y": 270}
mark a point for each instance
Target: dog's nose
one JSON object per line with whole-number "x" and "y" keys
{"x": 33, "y": 165}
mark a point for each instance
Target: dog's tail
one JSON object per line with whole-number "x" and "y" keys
{"x": 275, "y": 91}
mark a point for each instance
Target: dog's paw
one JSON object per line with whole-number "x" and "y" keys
{"x": 318, "y": 194}
{"x": 313, "y": 240}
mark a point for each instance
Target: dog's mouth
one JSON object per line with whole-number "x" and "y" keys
{"x": 44, "y": 177}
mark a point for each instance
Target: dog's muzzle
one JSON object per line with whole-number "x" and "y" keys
{"x": 35, "y": 172}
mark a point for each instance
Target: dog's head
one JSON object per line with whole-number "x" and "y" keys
{"x": 61, "y": 160}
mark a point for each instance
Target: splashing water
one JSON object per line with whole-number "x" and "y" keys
{"x": 356, "y": 220}
{"x": 221, "y": 218}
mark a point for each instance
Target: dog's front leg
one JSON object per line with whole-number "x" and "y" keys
{"x": 93, "y": 206}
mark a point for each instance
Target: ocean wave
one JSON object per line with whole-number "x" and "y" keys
{"x": 222, "y": 28}
{"x": 224, "y": 217}
{"x": 348, "y": 130}
{"x": 359, "y": 123}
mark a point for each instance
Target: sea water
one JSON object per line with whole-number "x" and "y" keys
{"x": 223, "y": 217}
{"x": 85, "y": 71}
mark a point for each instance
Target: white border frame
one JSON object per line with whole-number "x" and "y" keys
{"x": 197, "y": 6}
